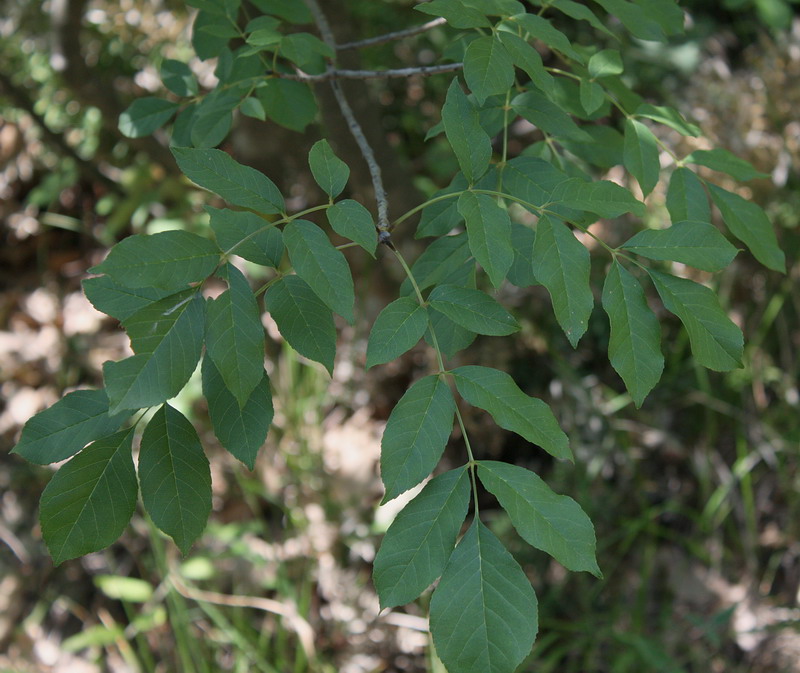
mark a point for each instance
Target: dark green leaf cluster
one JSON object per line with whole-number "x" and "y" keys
{"x": 524, "y": 220}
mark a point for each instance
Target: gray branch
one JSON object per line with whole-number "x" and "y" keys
{"x": 355, "y": 128}
{"x": 388, "y": 37}
{"x": 335, "y": 73}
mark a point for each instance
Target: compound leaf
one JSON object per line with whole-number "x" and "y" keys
{"x": 288, "y": 103}
{"x": 416, "y": 547}
{"x": 415, "y": 436}
{"x": 697, "y": 244}
{"x": 484, "y": 613}
{"x": 539, "y": 110}
{"x": 235, "y": 336}
{"x": 63, "y": 429}
{"x": 248, "y": 235}
{"x": 329, "y": 171}
{"x": 462, "y": 127}
{"x": 175, "y": 477}
{"x": 167, "y": 338}
{"x": 495, "y": 392}
{"x": 303, "y": 320}
{"x": 169, "y": 260}
{"x": 526, "y": 57}
{"x": 640, "y": 155}
{"x": 715, "y": 340}
{"x": 488, "y": 67}
{"x": 321, "y": 265}
{"x": 450, "y": 336}
{"x": 561, "y": 263}
{"x": 237, "y": 184}
{"x": 178, "y": 78}
{"x": 749, "y": 223}
{"x": 242, "y": 430}
{"x": 398, "y": 327}
{"x": 541, "y": 29}
{"x": 473, "y": 310}
{"x": 669, "y": 117}
{"x": 91, "y": 499}
{"x": 556, "y": 524}
{"x": 634, "y": 348}
{"x": 489, "y": 233}
{"x": 353, "y": 221}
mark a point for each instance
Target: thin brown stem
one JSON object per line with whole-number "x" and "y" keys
{"x": 389, "y": 37}
{"x": 335, "y": 73}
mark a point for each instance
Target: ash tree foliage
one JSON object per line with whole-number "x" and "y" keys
{"x": 521, "y": 220}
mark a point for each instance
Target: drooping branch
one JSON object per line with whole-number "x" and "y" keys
{"x": 355, "y": 128}
{"x": 389, "y": 37}
{"x": 335, "y": 73}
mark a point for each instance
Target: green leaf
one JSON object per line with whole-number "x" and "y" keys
{"x": 450, "y": 336}
{"x": 235, "y": 336}
{"x": 668, "y": 14}
{"x": 206, "y": 45}
{"x": 241, "y": 430}
{"x": 473, "y": 309}
{"x": 169, "y": 260}
{"x": 749, "y": 223}
{"x": 634, "y": 347}
{"x": 305, "y": 50}
{"x": 416, "y": 547}
{"x": 686, "y": 198}
{"x": 289, "y": 10}
{"x": 237, "y": 184}
{"x": 724, "y": 161}
{"x": 484, "y": 613}
{"x": 541, "y": 29}
{"x": 252, "y": 107}
{"x": 441, "y": 217}
{"x": 521, "y": 271}
{"x": 398, "y": 328}
{"x": 546, "y": 115}
{"x": 532, "y": 180}
{"x": 528, "y": 59}
{"x": 415, "y": 436}
{"x": 167, "y": 337}
{"x": 715, "y": 340}
{"x": 602, "y": 197}
{"x": 288, "y": 103}
{"x": 605, "y": 63}
{"x": 669, "y": 117}
{"x": 581, "y": 13}
{"x": 442, "y": 259}
{"x": 553, "y": 523}
{"x": 640, "y": 155}
{"x": 145, "y": 115}
{"x": 561, "y": 263}
{"x": 248, "y": 235}
{"x": 321, "y": 265}
{"x": 592, "y": 96}
{"x": 495, "y": 391}
{"x": 329, "y": 171}
{"x": 488, "y": 68}
{"x": 641, "y": 24}
{"x": 178, "y": 78}
{"x": 175, "y": 477}
{"x": 90, "y": 500}
{"x": 117, "y": 300}
{"x": 303, "y": 320}
{"x": 213, "y": 119}
{"x": 469, "y": 141}
{"x": 489, "y": 233}
{"x": 697, "y": 244}
{"x": 353, "y": 221}
{"x": 457, "y": 14}
{"x": 66, "y": 427}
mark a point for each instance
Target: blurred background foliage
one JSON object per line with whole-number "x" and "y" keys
{"x": 696, "y": 497}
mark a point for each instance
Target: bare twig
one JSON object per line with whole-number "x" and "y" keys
{"x": 388, "y": 37}
{"x": 355, "y": 128}
{"x": 336, "y": 73}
